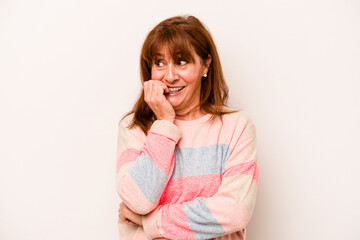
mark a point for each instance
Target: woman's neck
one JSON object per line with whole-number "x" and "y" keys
{"x": 189, "y": 115}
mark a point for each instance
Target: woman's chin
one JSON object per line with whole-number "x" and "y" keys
{"x": 174, "y": 101}
{"x": 175, "y": 105}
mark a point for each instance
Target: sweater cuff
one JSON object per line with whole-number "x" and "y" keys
{"x": 150, "y": 223}
{"x": 167, "y": 129}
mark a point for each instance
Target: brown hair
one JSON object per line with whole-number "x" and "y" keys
{"x": 183, "y": 34}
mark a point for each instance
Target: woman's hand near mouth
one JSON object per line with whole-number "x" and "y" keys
{"x": 154, "y": 96}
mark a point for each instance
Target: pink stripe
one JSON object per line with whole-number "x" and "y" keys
{"x": 247, "y": 168}
{"x": 128, "y": 155}
{"x": 203, "y": 136}
{"x": 174, "y": 223}
{"x": 232, "y": 217}
{"x": 150, "y": 223}
{"x": 215, "y": 133}
{"x": 256, "y": 174}
{"x": 179, "y": 190}
{"x": 133, "y": 197}
{"x": 166, "y": 128}
{"x": 140, "y": 235}
{"x": 161, "y": 150}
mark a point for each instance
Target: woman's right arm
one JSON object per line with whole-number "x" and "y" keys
{"x": 144, "y": 167}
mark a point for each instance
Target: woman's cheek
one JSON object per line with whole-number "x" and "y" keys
{"x": 156, "y": 75}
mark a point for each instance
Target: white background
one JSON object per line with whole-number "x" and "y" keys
{"x": 69, "y": 71}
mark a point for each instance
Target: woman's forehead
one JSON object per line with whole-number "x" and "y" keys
{"x": 173, "y": 52}
{"x": 165, "y": 52}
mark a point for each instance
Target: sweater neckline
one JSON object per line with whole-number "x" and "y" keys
{"x": 194, "y": 121}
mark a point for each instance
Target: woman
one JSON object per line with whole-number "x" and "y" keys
{"x": 186, "y": 164}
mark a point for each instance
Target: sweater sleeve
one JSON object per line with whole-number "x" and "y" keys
{"x": 227, "y": 211}
{"x": 144, "y": 167}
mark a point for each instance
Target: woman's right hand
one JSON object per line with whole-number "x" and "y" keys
{"x": 154, "y": 96}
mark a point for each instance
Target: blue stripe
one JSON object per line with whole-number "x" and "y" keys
{"x": 201, "y": 221}
{"x": 149, "y": 178}
{"x": 201, "y": 161}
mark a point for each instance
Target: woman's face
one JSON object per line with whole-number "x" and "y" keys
{"x": 182, "y": 78}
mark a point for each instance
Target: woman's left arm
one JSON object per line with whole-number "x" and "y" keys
{"x": 227, "y": 211}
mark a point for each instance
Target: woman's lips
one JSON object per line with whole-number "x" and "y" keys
{"x": 173, "y": 91}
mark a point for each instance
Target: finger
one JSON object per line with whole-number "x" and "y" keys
{"x": 121, "y": 206}
{"x": 121, "y": 213}
{"x": 149, "y": 92}
{"x": 160, "y": 91}
{"x": 122, "y": 217}
{"x": 146, "y": 90}
{"x": 164, "y": 87}
{"x": 160, "y": 83}
{"x": 153, "y": 93}
{"x": 127, "y": 221}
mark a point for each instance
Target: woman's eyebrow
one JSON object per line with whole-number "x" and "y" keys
{"x": 159, "y": 55}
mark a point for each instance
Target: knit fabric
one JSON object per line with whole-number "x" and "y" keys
{"x": 190, "y": 180}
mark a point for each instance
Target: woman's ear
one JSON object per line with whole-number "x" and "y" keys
{"x": 208, "y": 62}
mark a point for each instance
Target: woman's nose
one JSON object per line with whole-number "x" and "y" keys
{"x": 170, "y": 75}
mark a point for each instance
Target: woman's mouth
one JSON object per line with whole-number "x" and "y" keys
{"x": 175, "y": 90}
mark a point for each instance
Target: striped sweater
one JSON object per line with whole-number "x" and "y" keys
{"x": 190, "y": 180}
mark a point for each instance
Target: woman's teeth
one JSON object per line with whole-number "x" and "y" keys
{"x": 175, "y": 89}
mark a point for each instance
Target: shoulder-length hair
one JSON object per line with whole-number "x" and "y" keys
{"x": 184, "y": 35}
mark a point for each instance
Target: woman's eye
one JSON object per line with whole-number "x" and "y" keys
{"x": 182, "y": 62}
{"x": 160, "y": 64}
